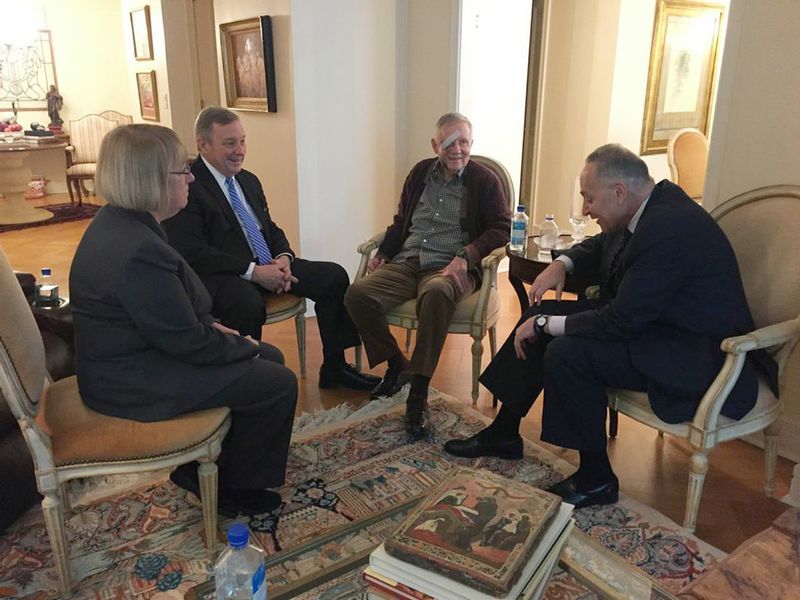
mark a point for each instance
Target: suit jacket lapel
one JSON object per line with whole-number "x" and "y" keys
{"x": 204, "y": 177}
{"x": 250, "y": 196}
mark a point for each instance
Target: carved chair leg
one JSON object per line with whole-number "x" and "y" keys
{"x": 613, "y": 422}
{"x": 66, "y": 505}
{"x": 477, "y": 355}
{"x": 408, "y": 341}
{"x": 698, "y": 467}
{"x": 70, "y": 183}
{"x": 771, "y": 434}
{"x": 300, "y": 328}
{"x": 54, "y": 522}
{"x": 207, "y": 476}
{"x": 493, "y": 350}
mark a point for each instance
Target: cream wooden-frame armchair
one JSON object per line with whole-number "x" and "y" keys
{"x": 477, "y": 314}
{"x": 67, "y": 440}
{"x": 285, "y": 306}
{"x": 762, "y": 227}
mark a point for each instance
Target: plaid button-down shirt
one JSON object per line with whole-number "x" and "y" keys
{"x": 435, "y": 235}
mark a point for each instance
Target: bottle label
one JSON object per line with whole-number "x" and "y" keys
{"x": 518, "y": 226}
{"x": 260, "y": 583}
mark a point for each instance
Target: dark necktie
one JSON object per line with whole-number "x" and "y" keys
{"x": 251, "y": 228}
{"x": 612, "y": 281}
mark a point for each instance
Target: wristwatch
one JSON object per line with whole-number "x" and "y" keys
{"x": 463, "y": 254}
{"x": 539, "y": 324}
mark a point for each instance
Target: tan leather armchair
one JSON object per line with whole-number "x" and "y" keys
{"x": 687, "y": 156}
{"x": 762, "y": 227}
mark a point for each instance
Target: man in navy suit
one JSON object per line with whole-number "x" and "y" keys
{"x": 228, "y": 237}
{"x": 670, "y": 292}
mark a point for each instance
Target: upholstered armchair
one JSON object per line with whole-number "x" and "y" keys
{"x": 762, "y": 227}
{"x": 68, "y": 441}
{"x": 85, "y": 136}
{"x": 687, "y": 156}
{"x": 477, "y": 314}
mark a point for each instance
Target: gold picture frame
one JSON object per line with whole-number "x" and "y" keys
{"x": 148, "y": 95}
{"x": 248, "y": 64}
{"x": 682, "y": 70}
{"x": 142, "y": 33}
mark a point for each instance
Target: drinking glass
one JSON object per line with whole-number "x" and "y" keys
{"x": 576, "y": 217}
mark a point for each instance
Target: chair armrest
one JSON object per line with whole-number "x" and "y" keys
{"x": 68, "y": 154}
{"x": 366, "y": 249}
{"x": 736, "y": 349}
{"x": 489, "y": 265}
{"x": 765, "y": 337}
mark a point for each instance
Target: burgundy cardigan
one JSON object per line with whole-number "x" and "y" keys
{"x": 486, "y": 217}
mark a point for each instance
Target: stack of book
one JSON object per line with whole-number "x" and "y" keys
{"x": 476, "y": 536}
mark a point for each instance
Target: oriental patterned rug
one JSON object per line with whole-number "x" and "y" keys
{"x": 62, "y": 213}
{"x": 349, "y": 485}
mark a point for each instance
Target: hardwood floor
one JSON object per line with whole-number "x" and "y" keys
{"x": 651, "y": 469}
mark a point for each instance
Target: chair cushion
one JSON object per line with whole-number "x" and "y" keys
{"x": 81, "y": 435}
{"x": 277, "y": 303}
{"x": 83, "y": 169}
{"x": 637, "y": 406}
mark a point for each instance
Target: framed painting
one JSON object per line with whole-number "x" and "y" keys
{"x": 142, "y": 34}
{"x": 680, "y": 80}
{"x": 248, "y": 64}
{"x": 148, "y": 95}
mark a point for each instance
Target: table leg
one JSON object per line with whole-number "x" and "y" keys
{"x": 522, "y": 293}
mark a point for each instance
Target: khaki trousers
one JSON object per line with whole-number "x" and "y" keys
{"x": 368, "y": 299}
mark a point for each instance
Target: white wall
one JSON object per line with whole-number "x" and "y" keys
{"x": 493, "y": 74}
{"x": 371, "y": 78}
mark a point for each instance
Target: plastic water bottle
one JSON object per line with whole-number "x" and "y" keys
{"x": 519, "y": 230}
{"x": 239, "y": 572}
{"x": 548, "y": 234}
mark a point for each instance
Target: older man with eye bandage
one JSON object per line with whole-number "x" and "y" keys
{"x": 452, "y": 213}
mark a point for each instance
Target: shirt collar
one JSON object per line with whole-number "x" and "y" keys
{"x": 218, "y": 177}
{"x": 637, "y": 215}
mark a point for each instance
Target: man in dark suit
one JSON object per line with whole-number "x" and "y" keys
{"x": 670, "y": 292}
{"x": 228, "y": 237}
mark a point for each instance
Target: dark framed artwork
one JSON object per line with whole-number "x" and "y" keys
{"x": 248, "y": 64}
{"x": 682, "y": 70}
{"x": 148, "y": 95}
{"x": 142, "y": 33}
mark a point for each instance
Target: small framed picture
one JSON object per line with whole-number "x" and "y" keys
{"x": 248, "y": 64}
{"x": 148, "y": 95}
{"x": 142, "y": 34}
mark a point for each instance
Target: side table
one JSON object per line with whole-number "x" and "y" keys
{"x": 524, "y": 267}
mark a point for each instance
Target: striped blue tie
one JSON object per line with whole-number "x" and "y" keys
{"x": 254, "y": 234}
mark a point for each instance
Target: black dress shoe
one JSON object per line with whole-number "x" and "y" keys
{"x": 417, "y": 419}
{"x": 605, "y": 493}
{"x": 230, "y": 502}
{"x": 346, "y": 376}
{"x": 391, "y": 383}
{"x": 475, "y": 446}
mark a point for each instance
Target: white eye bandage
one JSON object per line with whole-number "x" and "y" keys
{"x": 450, "y": 139}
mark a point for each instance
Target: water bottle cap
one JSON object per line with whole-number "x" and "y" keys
{"x": 520, "y": 208}
{"x": 549, "y": 217}
{"x": 238, "y": 535}
{"x": 46, "y": 271}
